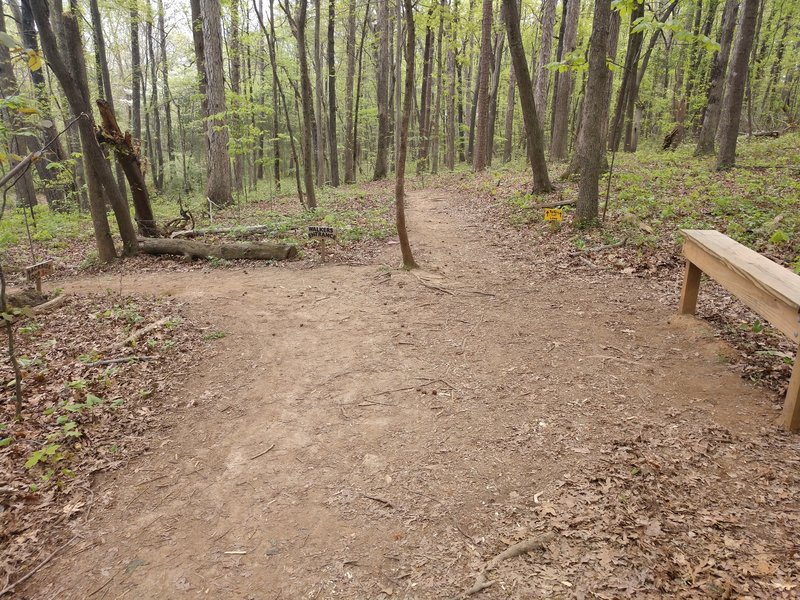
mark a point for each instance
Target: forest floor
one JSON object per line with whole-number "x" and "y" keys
{"x": 363, "y": 432}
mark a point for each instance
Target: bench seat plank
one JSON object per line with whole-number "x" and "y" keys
{"x": 765, "y": 286}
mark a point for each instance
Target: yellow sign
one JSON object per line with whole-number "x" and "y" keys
{"x": 553, "y": 214}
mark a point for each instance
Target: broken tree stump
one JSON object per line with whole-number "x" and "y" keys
{"x": 227, "y": 251}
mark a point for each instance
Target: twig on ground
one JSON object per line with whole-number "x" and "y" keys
{"x": 10, "y": 588}
{"x": 431, "y": 286}
{"x": 381, "y": 500}
{"x": 262, "y": 453}
{"x": 402, "y": 389}
{"x": 481, "y": 582}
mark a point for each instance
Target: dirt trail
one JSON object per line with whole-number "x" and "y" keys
{"x": 365, "y": 432}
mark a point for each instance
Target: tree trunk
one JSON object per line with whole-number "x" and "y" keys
{"x": 158, "y": 154}
{"x": 349, "y": 142}
{"x": 734, "y": 93}
{"x": 541, "y": 180}
{"x": 596, "y": 111}
{"x": 235, "y": 56}
{"x": 319, "y": 115}
{"x": 437, "y": 105}
{"x": 629, "y": 74}
{"x": 716, "y": 88}
{"x": 332, "y": 138}
{"x": 481, "y": 150}
{"x": 218, "y": 186}
{"x": 494, "y": 90}
{"x": 359, "y": 72}
{"x": 399, "y": 191}
{"x": 104, "y": 76}
{"x": 425, "y": 96}
{"x": 128, "y": 158}
{"x": 226, "y": 251}
{"x": 136, "y": 76}
{"x": 200, "y": 61}
{"x": 545, "y": 52}
{"x": 162, "y": 42}
{"x": 382, "y": 79}
{"x": 398, "y": 77}
{"x": 566, "y": 81}
{"x": 98, "y": 172}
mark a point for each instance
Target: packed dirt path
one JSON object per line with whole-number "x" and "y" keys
{"x": 364, "y": 432}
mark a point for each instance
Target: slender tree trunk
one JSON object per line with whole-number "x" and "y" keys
{"x": 200, "y": 62}
{"x": 566, "y": 81}
{"x": 235, "y": 55}
{"x": 162, "y": 42}
{"x": 218, "y": 185}
{"x": 382, "y": 79}
{"x": 332, "y": 138}
{"x": 545, "y": 52}
{"x": 437, "y": 109}
{"x": 104, "y": 76}
{"x": 508, "y": 144}
{"x": 596, "y": 112}
{"x": 402, "y": 232}
{"x": 319, "y": 115}
{"x": 541, "y": 179}
{"x": 481, "y": 150}
{"x": 359, "y": 72}
{"x": 734, "y": 92}
{"x": 349, "y": 142}
{"x": 716, "y": 88}
{"x": 136, "y": 76}
{"x": 425, "y": 96}
{"x": 494, "y": 90}
{"x": 158, "y": 156}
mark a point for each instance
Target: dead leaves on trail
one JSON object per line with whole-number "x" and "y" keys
{"x": 81, "y": 415}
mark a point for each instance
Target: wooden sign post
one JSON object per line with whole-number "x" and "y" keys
{"x": 323, "y": 234}
{"x": 37, "y": 271}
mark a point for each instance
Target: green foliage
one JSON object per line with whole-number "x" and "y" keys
{"x": 214, "y": 335}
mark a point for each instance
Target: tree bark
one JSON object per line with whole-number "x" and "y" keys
{"x": 450, "y": 124}
{"x": 136, "y": 76}
{"x": 349, "y": 142}
{"x": 104, "y": 76}
{"x": 227, "y": 251}
{"x": 218, "y": 186}
{"x": 716, "y": 88}
{"x": 481, "y": 149}
{"x": 629, "y": 74}
{"x": 154, "y": 113}
{"x": 382, "y": 79}
{"x": 128, "y": 158}
{"x": 399, "y": 190}
{"x": 162, "y": 42}
{"x": 437, "y": 105}
{"x": 332, "y": 138}
{"x": 425, "y": 96}
{"x": 235, "y": 57}
{"x": 566, "y": 81}
{"x": 596, "y": 111}
{"x": 200, "y": 61}
{"x": 319, "y": 115}
{"x": 494, "y": 90}
{"x": 541, "y": 179}
{"x": 545, "y": 53}
{"x": 734, "y": 93}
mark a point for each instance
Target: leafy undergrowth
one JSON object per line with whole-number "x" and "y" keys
{"x": 360, "y": 215}
{"x": 653, "y": 195}
{"x": 81, "y": 416}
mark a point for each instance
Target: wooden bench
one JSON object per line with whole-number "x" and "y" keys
{"x": 768, "y": 288}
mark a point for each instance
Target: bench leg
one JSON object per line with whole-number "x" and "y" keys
{"x": 691, "y": 287}
{"x": 791, "y": 406}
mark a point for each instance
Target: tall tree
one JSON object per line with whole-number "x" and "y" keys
{"x": 545, "y": 52}
{"x": 437, "y": 105}
{"x": 481, "y": 150}
{"x": 136, "y": 75}
{"x": 298, "y": 26}
{"x": 218, "y": 185}
{"x": 200, "y": 62}
{"x": 382, "y": 81}
{"x": 332, "y": 138}
{"x": 596, "y": 111}
{"x": 734, "y": 91}
{"x": 75, "y": 84}
{"x": 349, "y": 142}
{"x": 408, "y": 100}
{"x": 319, "y": 115}
{"x": 566, "y": 81}
{"x": 154, "y": 113}
{"x": 541, "y": 179}
{"x": 716, "y": 88}
{"x": 235, "y": 55}
{"x": 164, "y": 61}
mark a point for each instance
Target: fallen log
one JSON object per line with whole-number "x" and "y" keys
{"x": 556, "y": 204}
{"x": 227, "y": 251}
{"x": 191, "y": 233}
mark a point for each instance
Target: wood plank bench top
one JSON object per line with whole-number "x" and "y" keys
{"x": 766, "y": 287}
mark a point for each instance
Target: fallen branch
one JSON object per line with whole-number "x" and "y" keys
{"x": 193, "y": 233}
{"x": 556, "y": 204}
{"x": 381, "y": 500}
{"x": 262, "y": 453}
{"x": 50, "y": 305}
{"x": 10, "y": 588}
{"x": 142, "y": 332}
{"x": 115, "y": 361}
{"x": 229, "y": 251}
{"x": 481, "y": 582}
{"x": 431, "y": 286}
